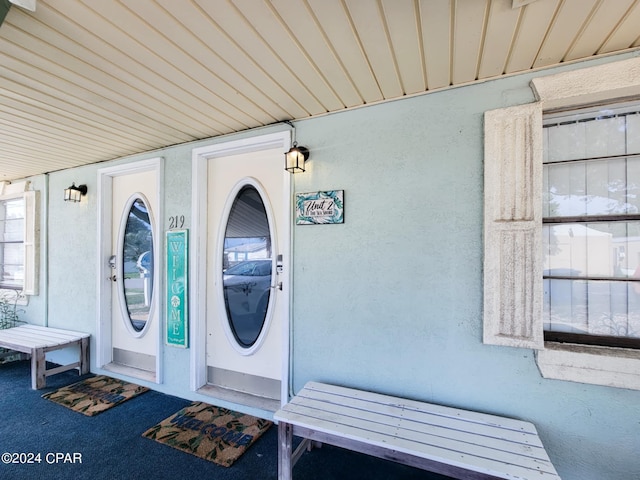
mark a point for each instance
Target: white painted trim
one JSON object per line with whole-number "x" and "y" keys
{"x": 198, "y": 248}
{"x": 513, "y": 227}
{"x": 31, "y": 243}
{"x": 26, "y": 4}
{"x": 612, "y": 367}
{"x": 103, "y": 287}
{"x": 198, "y": 274}
{"x": 603, "y": 83}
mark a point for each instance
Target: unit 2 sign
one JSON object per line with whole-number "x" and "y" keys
{"x": 320, "y": 207}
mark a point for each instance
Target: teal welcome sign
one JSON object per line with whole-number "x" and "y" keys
{"x": 177, "y": 269}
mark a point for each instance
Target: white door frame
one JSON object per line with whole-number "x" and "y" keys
{"x": 104, "y": 354}
{"x": 198, "y": 249}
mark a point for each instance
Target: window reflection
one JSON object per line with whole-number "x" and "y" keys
{"x": 247, "y": 266}
{"x": 591, "y": 241}
{"x": 138, "y": 265}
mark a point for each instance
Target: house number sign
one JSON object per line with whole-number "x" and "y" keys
{"x": 177, "y": 261}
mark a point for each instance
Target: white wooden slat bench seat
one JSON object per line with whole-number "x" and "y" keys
{"x": 37, "y": 341}
{"x": 449, "y": 441}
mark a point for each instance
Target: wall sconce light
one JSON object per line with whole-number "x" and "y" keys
{"x": 294, "y": 159}
{"x": 73, "y": 193}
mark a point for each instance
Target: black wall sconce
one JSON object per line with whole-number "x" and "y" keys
{"x": 295, "y": 158}
{"x": 73, "y": 193}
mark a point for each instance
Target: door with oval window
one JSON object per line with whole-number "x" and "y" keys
{"x": 134, "y": 306}
{"x": 247, "y": 303}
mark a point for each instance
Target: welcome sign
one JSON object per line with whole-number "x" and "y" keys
{"x": 177, "y": 295}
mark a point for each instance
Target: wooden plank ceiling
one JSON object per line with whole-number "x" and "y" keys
{"x": 83, "y": 81}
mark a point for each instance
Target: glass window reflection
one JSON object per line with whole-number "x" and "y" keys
{"x": 591, "y": 238}
{"x": 246, "y": 261}
{"x": 137, "y": 257}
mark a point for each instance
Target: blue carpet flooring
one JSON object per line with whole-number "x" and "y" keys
{"x": 110, "y": 445}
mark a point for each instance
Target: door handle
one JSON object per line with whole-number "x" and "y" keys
{"x": 277, "y": 286}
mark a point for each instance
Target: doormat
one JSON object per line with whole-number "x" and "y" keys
{"x": 95, "y": 394}
{"x": 213, "y": 433}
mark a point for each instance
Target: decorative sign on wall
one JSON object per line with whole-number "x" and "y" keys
{"x": 177, "y": 295}
{"x": 320, "y": 207}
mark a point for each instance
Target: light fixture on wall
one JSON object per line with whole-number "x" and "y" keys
{"x": 294, "y": 159}
{"x": 73, "y": 193}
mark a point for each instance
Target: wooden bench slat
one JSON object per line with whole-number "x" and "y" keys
{"x": 44, "y": 334}
{"x": 484, "y": 418}
{"x": 34, "y": 338}
{"x": 457, "y": 431}
{"x": 15, "y": 344}
{"x": 54, "y": 331}
{"x": 25, "y": 341}
{"x": 465, "y": 444}
{"x": 424, "y": 445}
{"x": 422, "y": 416}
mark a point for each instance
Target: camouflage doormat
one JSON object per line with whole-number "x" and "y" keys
{"x": 213, "y": 433}
{"x": 95, "y": 395}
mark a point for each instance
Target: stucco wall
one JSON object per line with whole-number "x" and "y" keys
{"x": 391, "y": 300}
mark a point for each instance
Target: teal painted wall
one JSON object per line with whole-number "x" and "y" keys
{"x": 391, "y": 300}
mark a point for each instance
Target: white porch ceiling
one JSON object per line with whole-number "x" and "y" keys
{"x": 83, "y": 81}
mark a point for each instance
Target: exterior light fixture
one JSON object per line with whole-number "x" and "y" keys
{"x": 294, "y": 159}
{"x": 73, "y": 193}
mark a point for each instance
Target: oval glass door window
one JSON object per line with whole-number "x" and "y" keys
{"x": 137, "y": 257}
{"x": 246, "y": 266}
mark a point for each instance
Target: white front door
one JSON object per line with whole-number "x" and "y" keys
{"x": 130, "y": 330}
{"x": 247, "y": 262}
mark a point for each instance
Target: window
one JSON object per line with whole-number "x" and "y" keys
{"x": 18, "y": 239}
{"x": 521, "y": 306}
{"x": 12, "y": 243}
{"x": 591, "y": 226}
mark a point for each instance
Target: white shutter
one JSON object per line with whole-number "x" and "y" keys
{"x": 513, "y": 227}
{"x": 30, "y": 243}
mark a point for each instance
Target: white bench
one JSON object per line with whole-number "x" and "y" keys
{"x": 449, "y": 441}
{"x": 37, "y": 341}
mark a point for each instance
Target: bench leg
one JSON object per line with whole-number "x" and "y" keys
{"x": 84, "y": 356}
{"x": 38, "y": 369}
{"x": 285, "y": 445}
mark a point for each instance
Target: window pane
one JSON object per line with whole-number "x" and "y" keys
{"x": 599, "y": 249}
{"x": 138, "y": 265}
{"x": 566, "y": 142}
{"x": 247, "y": 266}
{"x": 606, "y": 308}
{"x": 605, "y": 137}
{"x": 12, "y": 253}
{"x": 633, "y": 133}
{"x": 598, "y": 187}
{"x": 12, "y": 265}
{"x": 592, "y": 260}
{"x": 565, "y": 305}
